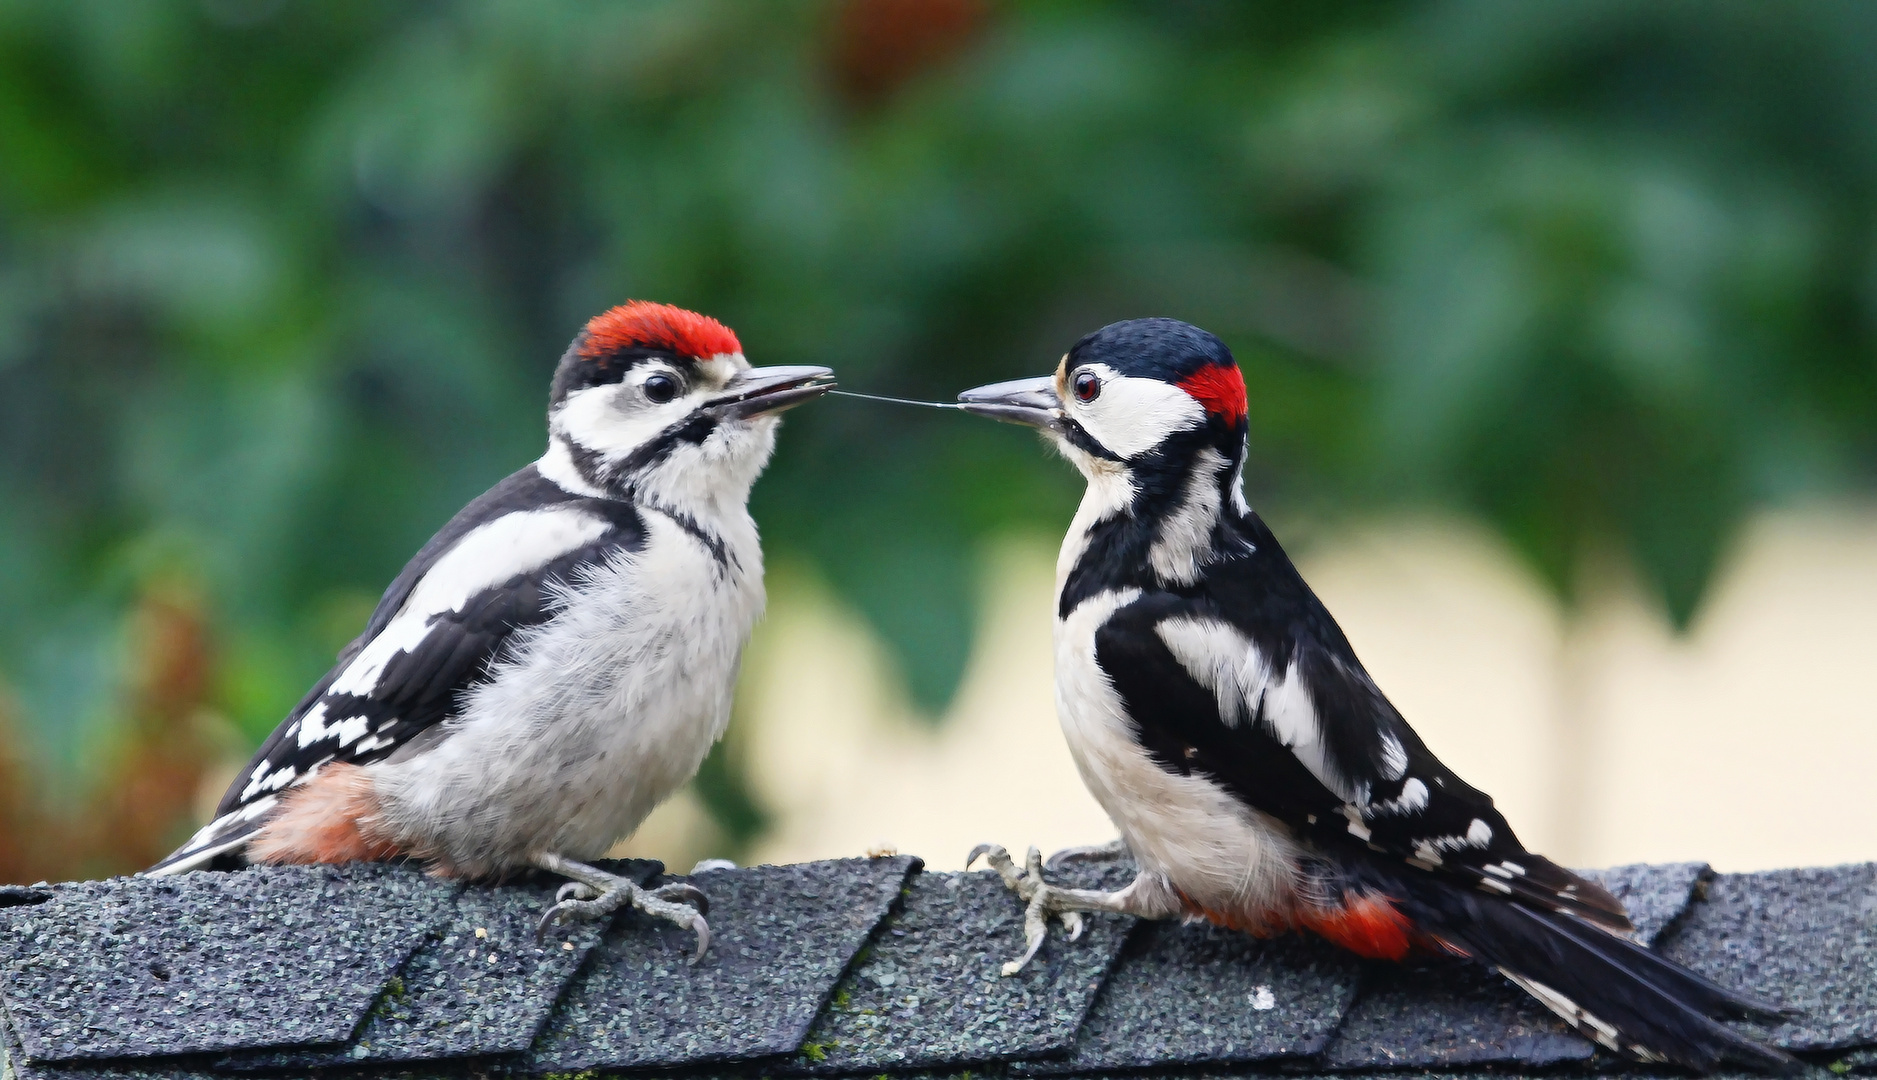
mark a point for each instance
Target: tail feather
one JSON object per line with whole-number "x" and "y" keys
{"x": 1664, "y": 974}
{"x": 228, "y": 833}
{"x": 1614, "y": 991}
{"x": 1621, "y": 995}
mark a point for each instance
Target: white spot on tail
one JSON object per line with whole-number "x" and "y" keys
{"x": 1602, "y": 1033}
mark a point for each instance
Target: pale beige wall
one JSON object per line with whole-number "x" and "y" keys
{"x": 1606, "y": 739}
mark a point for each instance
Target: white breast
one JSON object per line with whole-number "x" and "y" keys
{"x": 600, "y": 714}
{"x": 1220, "y": 852}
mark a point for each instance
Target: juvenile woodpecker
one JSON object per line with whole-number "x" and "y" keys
{"x": 1258, "y": 776}
{"x": 560, "y": 657}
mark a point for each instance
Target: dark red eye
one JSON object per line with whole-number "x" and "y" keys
{"x": 1087, "y": 386}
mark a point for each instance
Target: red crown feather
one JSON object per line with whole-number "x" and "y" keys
{"x": 644, "y": 325}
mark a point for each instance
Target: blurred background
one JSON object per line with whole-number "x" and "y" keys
{"x": 1559, "y": 322}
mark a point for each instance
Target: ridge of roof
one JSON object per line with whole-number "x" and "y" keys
{"x": 849, "y": 967}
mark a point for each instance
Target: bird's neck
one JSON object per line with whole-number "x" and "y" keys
{"x": 708, "y": 513}
{"x": 1151, "y": 525}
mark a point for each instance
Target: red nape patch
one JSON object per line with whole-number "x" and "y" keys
{"x": 644, "y": 325}
{"x": 1365, "y": 925}
{"x": 1220, "y": 388}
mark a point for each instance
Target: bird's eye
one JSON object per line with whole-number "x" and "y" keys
{"x": 660, "y": 389}
{"x": 1087, "y": 386}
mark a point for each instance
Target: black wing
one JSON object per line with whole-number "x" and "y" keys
{"x": 1245, "y": 677}
{"x": 385, "y": 690}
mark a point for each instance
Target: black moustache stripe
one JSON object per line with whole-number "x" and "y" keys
{"x": 595, "y": 469}
{"x": 1079, "y": 438}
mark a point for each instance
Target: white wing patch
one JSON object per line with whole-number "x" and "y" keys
{"x": 1226, "y": 662}
{"x": 1413, "y": 799}
{"x": 1395, "y": 761}
{"x": 262, "y": 780}
{"x": 487, "y": 556}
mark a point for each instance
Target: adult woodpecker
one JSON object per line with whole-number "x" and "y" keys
{"x": 1258, "y": 776}
{"x": 560, "y": 657}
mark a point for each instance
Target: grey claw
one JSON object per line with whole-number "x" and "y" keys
{"x": 683, "y": 892}
{"x": 703, "y": 940}
{"x": 551, "y": 916}
{"x": 978, "y": 853}
{"x": 572, "y": 890}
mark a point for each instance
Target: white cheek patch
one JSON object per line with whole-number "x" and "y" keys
{"x": 1133, "y": 415}
{"x": 614, "y": 420}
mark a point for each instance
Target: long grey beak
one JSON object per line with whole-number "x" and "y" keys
{"x": 1030, "y": 402}
{"x": 765, "y": 391}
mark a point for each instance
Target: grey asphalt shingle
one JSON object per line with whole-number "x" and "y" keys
{"x": 923, "y": 999}
{"x": 1198, "y": 994}
{"x": 1655, "y": 894}
{"x": 479, "y": 986}
{"x": 211, "y": 961}
{"x": 782, "y": 937}
{"x": 1445, "y": 1013}
{"x": 930, "y": 991}
{"x": 1442, "y": 1013}
{"x": 1806, "y": 939}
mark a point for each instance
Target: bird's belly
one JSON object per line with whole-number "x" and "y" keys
{"x": 1226, "y": 858}
{"x": 596, "y": 717}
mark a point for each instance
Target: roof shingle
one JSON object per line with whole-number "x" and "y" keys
{"x": 781, "y": 937}
{"x": 1805, "y": 939}
{"x": 929, "y": 991}
{"x": 480, "y": 986}
{"x": 276, "y": 956}
{"x": 378, "y": 971}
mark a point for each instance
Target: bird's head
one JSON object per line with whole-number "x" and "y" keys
{"x": 1146, "y": 396}
{"x": 658, "y": 401}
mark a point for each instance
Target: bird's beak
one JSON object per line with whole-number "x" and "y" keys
{"x": 1031, "y": 402}
{"x": 765, "y": 391}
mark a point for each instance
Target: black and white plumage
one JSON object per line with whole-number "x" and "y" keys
{"x": 560, "y": 657}
{"x": 1256, "y": 773}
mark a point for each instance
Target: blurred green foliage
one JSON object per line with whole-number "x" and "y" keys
{"x": 281, "y": 282}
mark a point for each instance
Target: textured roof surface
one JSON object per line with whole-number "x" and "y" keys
{"x": 852, "y": 967}
{"x": 139, "y": 966}
{"x": 929, "y": 993}
{"x": 782, "y": 937}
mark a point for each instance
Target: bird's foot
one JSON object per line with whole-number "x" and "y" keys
{"x": 677, "y": 892}
{"x": 1041, "y": 899}
{"x": 593, "y": 894}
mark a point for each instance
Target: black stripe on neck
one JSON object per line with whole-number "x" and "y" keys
{"x": 1117, "y": 554}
